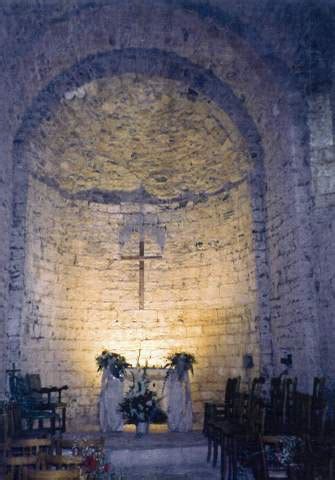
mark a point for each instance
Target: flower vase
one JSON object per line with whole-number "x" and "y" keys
{"x": 142, "y": 428}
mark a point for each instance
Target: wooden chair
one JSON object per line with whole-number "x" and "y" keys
{"x": 224, "y": 430}
{"x": 58, "y": 467}
{"x": 48, "y": 398}
{"x": 33, "y": 415}
{"x": 54, "y": 475}
{"x": 222, "y": 408}
{"x": 320, "y": 443}
{"x": 5, "y": 436}
{"x": 63, "y": 462}
{"x": 271, "y": 445}
{"x": 239, "y": 445}
{"x": 280, "y": 414}
{"x": 17, "y": 467}
{"x": 220, "y": 412}
{"x": 30, "y": 446}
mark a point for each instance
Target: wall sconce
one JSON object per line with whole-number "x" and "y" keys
{"x": 287, "y": 361}
{"x": 248, "y": 361}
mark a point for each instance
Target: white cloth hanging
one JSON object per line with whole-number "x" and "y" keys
{"x": 180, "y": 415}
{"x": 110, "y": 398}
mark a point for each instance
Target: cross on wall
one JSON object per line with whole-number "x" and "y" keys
{"x": 141, "y": 257}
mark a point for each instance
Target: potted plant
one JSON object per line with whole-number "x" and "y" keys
{"x": 181, "y": 362}
{"x": 140, "y": 405}
{"x": 115, "y": 362}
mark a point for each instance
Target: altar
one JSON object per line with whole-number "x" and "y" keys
{"x": 174, "y": 396}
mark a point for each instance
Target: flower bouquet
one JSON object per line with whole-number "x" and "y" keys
{"x": 115, "y": 362}
{"x": 141, "y": 405}
{"x": 95, "y": 466}
{"x": 182, "y": 362}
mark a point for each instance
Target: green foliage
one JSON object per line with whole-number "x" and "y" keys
{"x": 182, "y": 362}
{"x": 140, "y": 403}
{"x": 115, "y": 362}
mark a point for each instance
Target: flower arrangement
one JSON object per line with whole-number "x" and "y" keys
{"x": 288, "y": 453}
{"x": 94, "y": 465}
{"x": 182, "y": 362}
{"x": 140, "y": 403}
{"x": 115, "y": 362}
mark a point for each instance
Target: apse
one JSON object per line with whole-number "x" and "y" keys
{"x": 121, "y": 164}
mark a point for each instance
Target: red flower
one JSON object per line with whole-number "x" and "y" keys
{"x": 90, "y": 463}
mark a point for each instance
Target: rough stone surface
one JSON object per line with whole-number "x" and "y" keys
{"x": 133, "y": 132}
{"x": 81, "y": 297}
{"x": 245, "y": 233}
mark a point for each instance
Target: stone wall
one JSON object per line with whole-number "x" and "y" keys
{"x": 323, "y": 170}
{"x": 257, "y": 72}
{"x": 82, "y": 297}
{"x": 5, "y": 222}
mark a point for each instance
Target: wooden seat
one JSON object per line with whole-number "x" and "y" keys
{"x": 54, "y": 475}
{"x": 65, "y": 462}
{"x": 48, "y": 398}
{"x": 31, "y": 446}
{"x": 217, "y": 412}
{"x": 17, "y": 467}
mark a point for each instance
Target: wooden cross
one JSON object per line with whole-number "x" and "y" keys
{"x": 11, "y": 372}
{"x": 141, "y": 257}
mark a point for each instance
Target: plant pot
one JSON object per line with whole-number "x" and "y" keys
{"x": 142, "y": 428}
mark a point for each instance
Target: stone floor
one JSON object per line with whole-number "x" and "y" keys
{"x": 195, "y": 473}
{"x": 174, "y": 455}
{"x": 160, "y": 455}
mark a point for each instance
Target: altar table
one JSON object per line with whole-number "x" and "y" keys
{"x": 174, "y": 395}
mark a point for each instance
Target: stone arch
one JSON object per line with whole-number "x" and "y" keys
{"x": 140, "y": 61}
{"x": 289, "y": 108}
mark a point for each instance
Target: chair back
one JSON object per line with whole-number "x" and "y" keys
{"x": 319, "y": 384}
{"x": 257, "y": 417}
{"x": 20, "y": 392}
{"x": 302, "y": 414}
{"x": 33, "y": 382}
{"x": 256, "y": 387}
{"x": 289, "y": 393}
{"x": 232, "y": 390}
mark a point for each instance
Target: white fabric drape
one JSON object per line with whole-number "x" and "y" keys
{"x": 179, "y": 402}
{"x": 110, "y": 397}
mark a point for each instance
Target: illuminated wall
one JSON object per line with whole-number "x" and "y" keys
{"x": 81, "y": 297}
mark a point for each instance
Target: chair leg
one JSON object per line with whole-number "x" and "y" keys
{"x": 223, "y": 459}
{"x": 209, "y": 449}
{"x": 229, "y": 459}
{"x": 234, "y": 459}
{"x": 63, "y": 419}
{"x": 331, "y": 469}
{"x": 215, "y": 452}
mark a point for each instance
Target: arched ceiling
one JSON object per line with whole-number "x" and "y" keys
{"x": 130, "y": 132}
